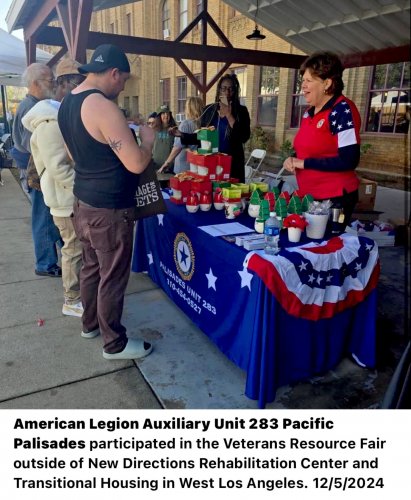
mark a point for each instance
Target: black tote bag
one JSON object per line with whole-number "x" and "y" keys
{"x": 149, "y": 199}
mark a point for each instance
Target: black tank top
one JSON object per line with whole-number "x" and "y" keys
{"x": 101, "y": 179}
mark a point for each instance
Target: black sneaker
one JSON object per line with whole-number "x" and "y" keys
{"x": 55, "y": 272}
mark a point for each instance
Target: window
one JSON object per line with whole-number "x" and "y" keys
{"x": 268, "y": 96}
{"x": 181, "y": 93}
{"x": 299, "y": 102}
{"x": 183, "y": 10}
{"x": 128, "y": 24}
{"x": 134, "y": 104}
{"x": 166, "y": 19}
{"x": 126, "y": 105}
{"x": 165, "y": 91}
{"x": 389, "y": 99}
{"x": 198, "y": 8}
{"x": 232, "y": 13}
{"x": 198, "y": 77}
{"x": 241, "y": 74}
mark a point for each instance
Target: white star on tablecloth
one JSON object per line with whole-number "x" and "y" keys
{"x": 246, "y": 278}
{"x": 160, "y": 219}
{"x": 368, "y": 247}
{"x": 150, "y": 258}
{"x": 303, "y": 266}
{"x": 358, "y": 267}
{"x": 211, "y": 279}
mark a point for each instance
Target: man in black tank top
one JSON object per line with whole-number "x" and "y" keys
{"x": 107, "y": 163}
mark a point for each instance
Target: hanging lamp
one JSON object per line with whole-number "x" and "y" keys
{"x": 256, "y": 34}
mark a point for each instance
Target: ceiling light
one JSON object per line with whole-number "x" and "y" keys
{"x": 256, "y": 34}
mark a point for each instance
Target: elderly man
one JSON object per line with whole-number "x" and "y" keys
{"x": 107, "y": 161}
{"x": 40, "y": 84}
{"x": 57, "y": 178}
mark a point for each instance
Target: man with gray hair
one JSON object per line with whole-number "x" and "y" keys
{"x": 40, "y": 83}
{"x": 57, "y": 178}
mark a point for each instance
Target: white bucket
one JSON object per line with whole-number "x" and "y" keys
{"x": 317, "y": 224}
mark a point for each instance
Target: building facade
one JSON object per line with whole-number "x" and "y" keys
{"x": 271, "y": 95}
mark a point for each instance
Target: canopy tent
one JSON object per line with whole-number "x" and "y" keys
{"x": 13, "y": 59}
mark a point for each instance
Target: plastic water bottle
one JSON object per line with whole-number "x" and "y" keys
{"x": 272, "y": 228}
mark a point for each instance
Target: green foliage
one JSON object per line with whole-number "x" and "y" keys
{"x": 295, "y": 205}
{"x": 364, "y": 148}
{"x": 286, "y": 150}
{"x": 258, "y": 139}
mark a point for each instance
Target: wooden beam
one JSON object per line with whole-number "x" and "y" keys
{"x": 81, "y": 29}
{"x": 179, "y": 50}
{"x": 218, "y": 31}
{"x": 40, "y": 18}
{"x": 30, "y": 50}
{"x": 375, "y": 57}
{"x": 64, "y": 18}
{"x": 56, "y": 58}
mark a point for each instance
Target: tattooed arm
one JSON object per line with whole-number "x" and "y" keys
{"x": 106, "y": 123}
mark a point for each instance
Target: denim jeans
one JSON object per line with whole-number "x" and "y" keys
{"x": 70, "y": 259}
{"x": 107, "y": 238}
{"x": 45, "y": 233}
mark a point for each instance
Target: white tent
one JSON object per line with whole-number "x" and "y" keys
{"x": 13, "y": 59}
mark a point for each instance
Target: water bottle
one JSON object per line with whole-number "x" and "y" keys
{"x": 272, "y": 228}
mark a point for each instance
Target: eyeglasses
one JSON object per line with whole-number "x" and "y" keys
{"x": 151, "y": 122}
{"x": 226, "y": 89}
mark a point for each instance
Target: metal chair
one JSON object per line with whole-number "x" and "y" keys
{"x": 253, "y": 165}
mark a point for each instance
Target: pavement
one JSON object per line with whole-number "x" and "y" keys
{"x": 51, "y": 366}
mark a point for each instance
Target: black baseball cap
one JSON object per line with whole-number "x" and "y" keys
{"x": 106, "y": 56}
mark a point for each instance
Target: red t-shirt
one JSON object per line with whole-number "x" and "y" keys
{"x": 320, "y": 136}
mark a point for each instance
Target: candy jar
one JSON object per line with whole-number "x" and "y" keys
{"x": 205, "y": 201}
{"x": 218, "y": 199}
{"x": 192, "y": 203}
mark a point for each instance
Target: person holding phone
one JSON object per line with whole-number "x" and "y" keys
{"x": 232, "y": 121}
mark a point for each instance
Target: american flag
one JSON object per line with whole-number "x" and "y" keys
{"x": 342, "y": 125}
{"x": 319, "y": 280}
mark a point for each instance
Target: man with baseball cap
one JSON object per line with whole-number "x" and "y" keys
{"x": 107, "y": 163}
{"x": 56, "y": 172}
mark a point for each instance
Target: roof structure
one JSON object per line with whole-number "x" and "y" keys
{"x": 346, "y": 27}
{"x": 362, "y": 32}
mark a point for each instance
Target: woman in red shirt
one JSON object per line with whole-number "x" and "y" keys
{"x": 327, "y": 144}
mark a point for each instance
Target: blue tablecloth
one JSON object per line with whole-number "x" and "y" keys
{"x": 235, "y": 297}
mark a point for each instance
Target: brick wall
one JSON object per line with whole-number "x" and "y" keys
{"x": 389, "y": 152}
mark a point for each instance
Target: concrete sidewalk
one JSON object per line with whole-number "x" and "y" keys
{"x": 51, "y": 366}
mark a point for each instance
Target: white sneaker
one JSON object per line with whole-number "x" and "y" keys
{"x": 75, "y": 309}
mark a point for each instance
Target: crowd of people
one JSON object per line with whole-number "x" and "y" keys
{"x": 87, "y": 157}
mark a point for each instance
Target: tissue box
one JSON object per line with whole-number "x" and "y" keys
{"x": 208, "y": 139}
{"x": 216, "y": 166}
{"x": 223, "y": 169}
